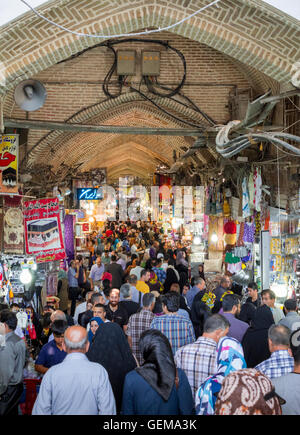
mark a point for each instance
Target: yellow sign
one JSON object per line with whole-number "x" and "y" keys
{"x": 9, "y": 148}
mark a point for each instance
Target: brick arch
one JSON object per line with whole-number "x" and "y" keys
{"x": 253, "y": 33}
{"x": 125, "y": 110}
{"x": 94, "y": 150}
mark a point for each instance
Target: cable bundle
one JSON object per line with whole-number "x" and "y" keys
{"x": 230, "y": 147}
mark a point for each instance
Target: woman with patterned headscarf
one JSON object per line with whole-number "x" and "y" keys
{"x": 230, "y": 357}
{"x": 248, "y": 392}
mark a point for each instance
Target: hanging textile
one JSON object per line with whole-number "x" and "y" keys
{"x": 69, "y": 236}
{"x": 13, "y": 230}
{"x": 240, "y": 241}
{"x": 251, "y": 190}
{"x": 249, "y": 231}
{"x": 245, "y": 201}
{"x": 257, "y": 189}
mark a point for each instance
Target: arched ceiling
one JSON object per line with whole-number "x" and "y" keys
{"x": 251, "y": 32}
{"x": 117, "y": 152}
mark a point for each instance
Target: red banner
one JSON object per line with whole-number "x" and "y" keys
{"x": 42, "y": 228}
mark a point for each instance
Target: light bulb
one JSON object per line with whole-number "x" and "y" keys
{"x": 197, "y": 240}
{"x": 91, "y": 219}
{"x": 214, "y": 238}
{"x": 25, "y": 276}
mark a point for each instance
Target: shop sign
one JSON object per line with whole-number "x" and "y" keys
{"x": 9, "y": 146}
{"x": 42, "y": 228}
{"x": 89, "y": 194}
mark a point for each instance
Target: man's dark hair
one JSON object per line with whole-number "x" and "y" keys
{"x": 295, "y": 346}
{"x": 14, "y": 305}
{"x": 215, "y": 322}
{"x": 253, "y": 285}
{"x": 230, "y": 301}
{"x": 143, "y": 272}
{"x": 290, "y": 305}
{"x": 48, "y": 307}
{"x": 58, "y": 327}
{"x": 279, "y": 335}
{"x": 269, "y": 292}
{"x": 46, "y": 320}
{"x": 113, "y": 258}
{"x": 172, "y": 301}
{"x": 10, "y": 318}
{"x": 4, "y": 307}
{"x": 100, "y": 306}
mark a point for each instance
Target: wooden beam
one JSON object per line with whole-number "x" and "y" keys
{"x": 118, "y": 129}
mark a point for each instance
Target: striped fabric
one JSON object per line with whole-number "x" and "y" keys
{"x": 178, "y": 329}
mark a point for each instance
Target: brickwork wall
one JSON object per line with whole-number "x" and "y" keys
{"x": 77, "y": 83}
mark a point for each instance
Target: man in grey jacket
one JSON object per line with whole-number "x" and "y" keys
{"x": 12, "y": 362}
{"x": 291, "y": 319}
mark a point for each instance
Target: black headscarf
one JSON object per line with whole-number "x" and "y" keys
{"x": 111, "y": 349}
{"x": 159, "y": 368}
{"x": 171, "y": 277}
{"x": 255, "y": 340}
{"x": 247, "y": 312}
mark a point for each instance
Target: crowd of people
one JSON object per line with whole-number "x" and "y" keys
{"x": 134, "y": 331}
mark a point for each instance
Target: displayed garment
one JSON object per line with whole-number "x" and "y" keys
{"x": 51, "y": 282}
{"x": 249, "y": 231}
{"x": 245, "y": 199}
{"x": 257, "y": 181}
{"x": 69, "y": 236}
{"x": 240, "y": 251}
{"x": 240, "y": 241}
{"x": 251, "y": 190}
{"x": 234, "y": 267}
{"x": 231, "y": 259}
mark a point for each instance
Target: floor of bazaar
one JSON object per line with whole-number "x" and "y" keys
{"x": 154, "y": 304}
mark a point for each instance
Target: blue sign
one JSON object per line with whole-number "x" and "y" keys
{"x": 89, "y": 193}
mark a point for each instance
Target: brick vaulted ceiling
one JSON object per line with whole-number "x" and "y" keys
{"x": 239, "y": 44}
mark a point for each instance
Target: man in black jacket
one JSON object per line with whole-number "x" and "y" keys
{"x": 116, "y": 271}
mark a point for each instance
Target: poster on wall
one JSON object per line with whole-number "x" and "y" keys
{"x": 9, "y": 148}
{"x": 42, "y": 229}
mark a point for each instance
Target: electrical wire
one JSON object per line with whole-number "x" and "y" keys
{"x": 192, "y": 104}
{"x": 147, "y": 32}
{"x": 165, "y": 111}
{"x": 145, "y": 78}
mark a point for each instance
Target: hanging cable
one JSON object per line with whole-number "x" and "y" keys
{"x": 147, "y": 32}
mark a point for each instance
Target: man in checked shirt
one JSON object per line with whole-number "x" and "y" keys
{"x": 198, "y": 360}
{"x": 140, "y": 322}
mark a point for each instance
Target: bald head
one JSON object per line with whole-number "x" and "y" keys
{"x": 58, "y": 315}
{"x": 75, "y": 339}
